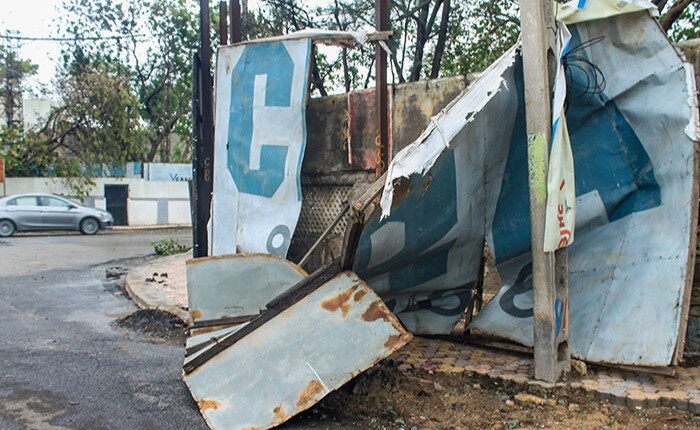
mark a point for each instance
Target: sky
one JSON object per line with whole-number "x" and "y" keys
{"x": 34, "y": 18}
{"x": 38, "y": 18}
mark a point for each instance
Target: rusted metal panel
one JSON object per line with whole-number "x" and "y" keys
{"x": 362, "y": 129}
{"x": 297, "y": 357}
{"x": 326, "y": 145}
{"x": 234, "y": 286}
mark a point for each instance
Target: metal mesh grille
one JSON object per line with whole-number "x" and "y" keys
{"x": 320, "y": 206}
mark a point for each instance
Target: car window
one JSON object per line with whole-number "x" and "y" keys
{"x": 53, "y": 202}
{"x": 23, "y": 201}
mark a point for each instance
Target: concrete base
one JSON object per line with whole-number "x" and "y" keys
{"x": 161, "y": 284}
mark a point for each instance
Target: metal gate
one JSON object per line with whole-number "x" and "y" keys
{"x": 116, "y": 197}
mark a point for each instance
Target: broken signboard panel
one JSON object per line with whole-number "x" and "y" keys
{"x": 260, "y": 136}
{"x": 631, "y": 115}
{"x": 307, "y": 344}
{"x": 231, "y": 289}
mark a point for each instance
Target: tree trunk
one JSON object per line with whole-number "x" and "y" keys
{"x": 442, "y": 37}
{"x": 673, "y": 13}
{"x": 421, "y": 38}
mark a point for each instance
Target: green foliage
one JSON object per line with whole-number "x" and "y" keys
{"x": 488, "y": 29}
{"x": 169, "y": 247}
{"x": 687, "y": 26}
{"x": 153, "y": 57}
{"x": 13, "y": 75}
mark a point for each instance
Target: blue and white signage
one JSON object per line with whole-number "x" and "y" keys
{"x": 260, "y": 136}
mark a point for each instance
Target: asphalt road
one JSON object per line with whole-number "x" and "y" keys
{"x": 62, "y": 362}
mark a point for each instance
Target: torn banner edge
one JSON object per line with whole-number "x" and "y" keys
{"x": 419, "y": 156}
{"x": 576, "y": 11}
{"x": 560, "y": 215}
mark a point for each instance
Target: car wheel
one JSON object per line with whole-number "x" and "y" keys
{"x": 89, "y": 226}
{"x": 7, "y": 228}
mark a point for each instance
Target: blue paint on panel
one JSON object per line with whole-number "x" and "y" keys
{"x": 274, "y": 61}
{"x": 428, "y": 212}
{"x": 608, "y": 157}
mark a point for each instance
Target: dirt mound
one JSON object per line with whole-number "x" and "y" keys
{"x": 155, "y": 325}
{"x": 386, "y": 397}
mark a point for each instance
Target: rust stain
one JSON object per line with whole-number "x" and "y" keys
{"x": 308, "y": 393}
{"x": 280, "y": 415}
{"x": 375, "y": 311}
{"x": 396, "y": 341}
{"x": 205, "y": 405}
{"x": 195, "y": 313}
{"x": 360, "y": 294}
{"x": 340, "y": 301}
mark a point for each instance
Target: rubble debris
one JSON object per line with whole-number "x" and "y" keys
{"x": 115, "y": 272}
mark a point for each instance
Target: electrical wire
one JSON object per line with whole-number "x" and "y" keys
{"x": 68, "y": 39}
{"x": 584, "y": 80}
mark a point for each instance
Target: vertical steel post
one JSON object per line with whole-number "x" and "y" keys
{"x": 196, "y": 142}
{"x": 223, "y": 25}
{"x": 549, "y": 271}
{"x": 236, "y": 22}
{"x": 381, "y": 94}
{"x": 204, "y": 170}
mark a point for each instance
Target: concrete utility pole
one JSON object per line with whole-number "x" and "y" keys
{"x": 549, "y": 270}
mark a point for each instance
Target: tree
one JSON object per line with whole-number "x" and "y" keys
{"x": 13, "y": 78}
{"x": 95, "y": 124}
{"x": 152, "y": 51}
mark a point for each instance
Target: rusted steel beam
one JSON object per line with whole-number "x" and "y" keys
{"x": 383, "y": 151}
{"x": 196, "y": 142}
{"x": 223, "y": 23}
{"x": 236, "y": 22}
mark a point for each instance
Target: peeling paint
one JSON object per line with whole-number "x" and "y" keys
{"x": 375, "y": 311}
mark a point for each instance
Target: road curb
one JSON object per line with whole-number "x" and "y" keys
{"x": 166, "y": 296}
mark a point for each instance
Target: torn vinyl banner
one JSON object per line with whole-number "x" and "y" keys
{"x": 630, "y": 109}
{"x": 260, "y": 136}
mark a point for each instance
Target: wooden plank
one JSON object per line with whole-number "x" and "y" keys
{"x": 538, "y": 31}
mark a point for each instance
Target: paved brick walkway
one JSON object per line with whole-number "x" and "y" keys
{"x": 633, "y": 389}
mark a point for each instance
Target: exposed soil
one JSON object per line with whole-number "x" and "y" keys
{"x": 387, "y": 398}
{"x": 155, "y": 326}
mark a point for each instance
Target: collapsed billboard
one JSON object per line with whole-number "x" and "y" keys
{"x": 631, "y": 112}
